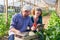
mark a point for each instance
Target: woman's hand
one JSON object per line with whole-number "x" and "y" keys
{"x": 33, "y": 28}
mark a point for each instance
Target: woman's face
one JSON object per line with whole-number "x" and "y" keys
{"x": 37, "y": 13}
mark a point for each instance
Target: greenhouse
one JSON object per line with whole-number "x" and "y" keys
{"x": 29, "y": 19}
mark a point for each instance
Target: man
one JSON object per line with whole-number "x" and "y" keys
{"x": 20, "y": 22}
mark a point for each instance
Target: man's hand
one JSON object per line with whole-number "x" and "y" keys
{"x": 15, "y": 31}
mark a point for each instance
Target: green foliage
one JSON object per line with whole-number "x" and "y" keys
{"x": 53, "y": 30}
{"x": 2, "y": 25}
{"x": 3, "y": 28}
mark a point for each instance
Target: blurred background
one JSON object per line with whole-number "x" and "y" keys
{"x": 51, "y": 16}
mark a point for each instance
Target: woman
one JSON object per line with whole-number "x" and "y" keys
{"x": 37, "y": 19}
{"x": 37, "y": 16}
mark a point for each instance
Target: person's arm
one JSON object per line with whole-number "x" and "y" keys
{"x": 31, "y": 25}
{"x": 14, "y": 30}
{"x": 13, "y": 24}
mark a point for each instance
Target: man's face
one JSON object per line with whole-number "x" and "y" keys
{"x": 26, "y": 13}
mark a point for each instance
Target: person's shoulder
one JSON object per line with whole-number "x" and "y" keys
{"x": 16, "y": 15}
{"x": 28, "y": 17}
{"x": 40, "y": 16}
{"x": 31, "y": 17}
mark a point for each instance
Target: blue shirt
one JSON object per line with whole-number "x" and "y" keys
{"x": 20, "y": 23}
